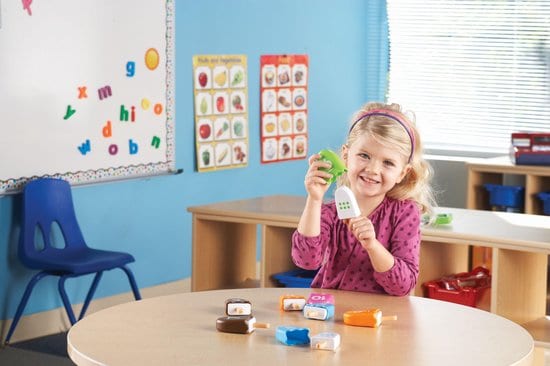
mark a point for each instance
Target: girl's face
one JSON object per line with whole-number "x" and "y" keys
{"x": 373, "y": 169}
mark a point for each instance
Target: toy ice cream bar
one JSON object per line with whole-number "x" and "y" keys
{"x": 346, "y": 204}
{"x": 337, "y": 166}
{"x": 326, "y": 340}
{"x": 237, "y": 306}
{"x": 292, "y": 302}
{"x": 239, "y": 324}
{"x": 292, "y": 336}
{"x": 319, "y": 298}
{"x": 366, "y": 318}
{"x": 319, "y": 311}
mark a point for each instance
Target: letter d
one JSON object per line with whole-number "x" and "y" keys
{"x": 107, "y": 130}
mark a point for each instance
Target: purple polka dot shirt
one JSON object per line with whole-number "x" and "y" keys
{"x": 344, "y": 264}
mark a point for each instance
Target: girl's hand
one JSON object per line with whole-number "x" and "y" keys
{"x": 315, "y": 180}
{"x": 363, "y": 229}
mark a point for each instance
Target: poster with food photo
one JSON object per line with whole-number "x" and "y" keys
{"x": 221, "y": 111}
{"x": 283, "y": 99}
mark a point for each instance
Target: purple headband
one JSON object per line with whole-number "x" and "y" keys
{"x": 392, "y": 115}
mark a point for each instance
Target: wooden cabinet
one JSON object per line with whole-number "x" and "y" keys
{"x": 502, "y": 171}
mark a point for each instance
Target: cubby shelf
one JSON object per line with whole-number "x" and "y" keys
{"x": 535, "y": 179}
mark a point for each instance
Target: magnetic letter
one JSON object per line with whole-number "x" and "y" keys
{"x": 123, "y": 113}
{"x": 69, "y": 113}
{"x": 82, "y": 92}
{"x": 130, "y": 68}
{"x": 104, "y": 92}
{"x": 158, "y": 108}
{"x": 133, "y": 147}
{"x": 27, "y": 6}
{"x": 155, "y": 142}
{"x": 145, "y": 103}
{"x": 107, "y": 130}
{"x": 113, "y": 149}
{"x": 85, "y": 147}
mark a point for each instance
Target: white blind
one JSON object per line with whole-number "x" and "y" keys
{"x": 472, "y": 71}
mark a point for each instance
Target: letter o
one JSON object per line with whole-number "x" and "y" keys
{"x": 158, "y": 108}
{"x": 113, "y": 149}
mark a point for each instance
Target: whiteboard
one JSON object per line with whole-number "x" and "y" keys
{"x": 86, "y": 90}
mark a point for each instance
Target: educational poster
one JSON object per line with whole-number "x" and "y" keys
{"x": 86, "y": 90}
{"x": 221, "y": 111}
{"x": 284, "y": 119}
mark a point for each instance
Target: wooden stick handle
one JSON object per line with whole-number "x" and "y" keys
{"x": 261, "y": 325}
{"x": 389, "y": 317}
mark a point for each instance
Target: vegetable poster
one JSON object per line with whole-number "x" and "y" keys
{"x": 283, "y": 107}
{"x": 221, "y": 111}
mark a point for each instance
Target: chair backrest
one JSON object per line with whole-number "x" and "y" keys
{"x": 47, "y": 201}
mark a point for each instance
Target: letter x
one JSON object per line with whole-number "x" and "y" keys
{"x": 82, "y": 92}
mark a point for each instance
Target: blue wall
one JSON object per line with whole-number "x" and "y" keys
{"x": 148, "y": 217}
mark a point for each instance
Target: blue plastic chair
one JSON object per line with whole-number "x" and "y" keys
{"x": 47, "y": 201}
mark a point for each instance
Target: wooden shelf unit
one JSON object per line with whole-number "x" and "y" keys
{"x": 535, "y": 179}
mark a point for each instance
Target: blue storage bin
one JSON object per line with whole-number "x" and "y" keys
{"x": 545, "y": 198}
{"x": 296, "y": 278}
{"x": 506, "y": 198}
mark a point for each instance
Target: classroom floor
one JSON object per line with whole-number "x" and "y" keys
{"x": 45, "y": 351}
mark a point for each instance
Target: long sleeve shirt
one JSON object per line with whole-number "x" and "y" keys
{"x": 344, "y": 264}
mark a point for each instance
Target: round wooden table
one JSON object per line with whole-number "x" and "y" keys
{"x": 181, "y": 330}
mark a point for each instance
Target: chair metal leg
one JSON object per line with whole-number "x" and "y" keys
{"x": 133, "y": 283}
{"x": 90, "y": 294}
{"x": 66, "y": 302}
{"x": 34, "y": 280}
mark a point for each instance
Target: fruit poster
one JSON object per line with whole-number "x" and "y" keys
{"x": 221, "y": 111}
{"x": 283, "y": 107}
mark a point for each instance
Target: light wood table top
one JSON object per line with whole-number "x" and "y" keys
{"x": 508, "y": 230}
{"x": 180, "y": 330}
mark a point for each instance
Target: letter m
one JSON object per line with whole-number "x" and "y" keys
{"x": 104, "y": 92}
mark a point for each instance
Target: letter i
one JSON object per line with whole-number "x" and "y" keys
{"x": 133, "y": 113}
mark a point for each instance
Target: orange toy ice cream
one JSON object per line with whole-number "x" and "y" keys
{"x": 292, "y": 302}
{"x": 366, "y": 318}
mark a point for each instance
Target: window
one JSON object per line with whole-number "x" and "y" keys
{"x": 473, "y": 71}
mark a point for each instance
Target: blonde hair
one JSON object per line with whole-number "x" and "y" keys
{"x": 403, "y": 136}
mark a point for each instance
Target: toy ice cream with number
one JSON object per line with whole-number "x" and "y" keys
{"x": 366, "y": 318}
{"x": 239, "y": 324}
{"x": 292, "y": 302}
{"x": 319, "y": 306}
{"x": 320, "y": 298}
{"x": 237, "y": 306}
{"x": 346, "y": 204}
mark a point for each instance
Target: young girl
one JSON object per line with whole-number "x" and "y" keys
{"x": 379, "y": 250}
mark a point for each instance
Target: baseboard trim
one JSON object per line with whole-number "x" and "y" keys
{"x": 56, "y": 321}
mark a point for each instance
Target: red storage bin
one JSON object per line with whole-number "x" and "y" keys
{"x": 464, "y": 288}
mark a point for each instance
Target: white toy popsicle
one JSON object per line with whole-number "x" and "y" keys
{"x": 327, "y": 341}
{"x": 346, "y": 204}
